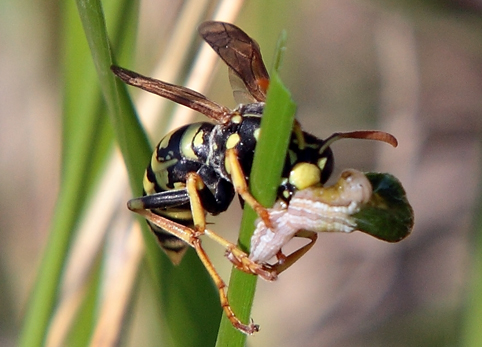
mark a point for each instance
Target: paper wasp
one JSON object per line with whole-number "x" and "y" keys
{"x": 197, "y": 169}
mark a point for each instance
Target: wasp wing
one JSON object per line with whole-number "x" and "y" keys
{"x": 240, "y": 92}
{"x": 178, "y": 94}
{"x": 243, "y": 56}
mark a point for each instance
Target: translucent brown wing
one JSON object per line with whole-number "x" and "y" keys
{"x": 178, "y": 94}
{"x": 243, "y": 56}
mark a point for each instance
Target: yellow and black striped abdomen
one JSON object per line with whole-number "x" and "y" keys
{"x": 178, "y": 153}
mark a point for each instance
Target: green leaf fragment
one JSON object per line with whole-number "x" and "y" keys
{"x": 388, "y": 215}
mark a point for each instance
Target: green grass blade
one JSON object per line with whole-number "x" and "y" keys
{"x": 179, "y": 300}
{"x": 130, "y": 136}
{"x": 471, "y": 334}
{"x": 83, "y": 126}
{"x": 276, "y": 128}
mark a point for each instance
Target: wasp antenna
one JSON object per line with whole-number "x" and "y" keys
{"x": 361, "y": 134}
{"x": 125, "y": 75}
{"x": 371, "y": 135}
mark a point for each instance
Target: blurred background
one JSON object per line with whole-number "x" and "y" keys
{"x": 412, "y": 68}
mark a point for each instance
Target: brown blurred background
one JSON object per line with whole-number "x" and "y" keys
{"x": 413, "y": 68}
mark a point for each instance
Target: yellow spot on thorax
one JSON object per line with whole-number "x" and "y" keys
{"x": 256, "y": 133}
{"x": 236, "y": 119}
{"x": 232, "y": 141}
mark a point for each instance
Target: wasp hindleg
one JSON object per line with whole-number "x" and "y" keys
{"x": 191, "y": 237}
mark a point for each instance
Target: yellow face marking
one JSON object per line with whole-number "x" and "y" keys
{"x": 322, "y": 163}
{"x": 292, "y": 156}
{"x": 232, "y": 141}
{"x": 304, "y": 175}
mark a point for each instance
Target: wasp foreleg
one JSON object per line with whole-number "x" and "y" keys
{"x": 241, "y": 187}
